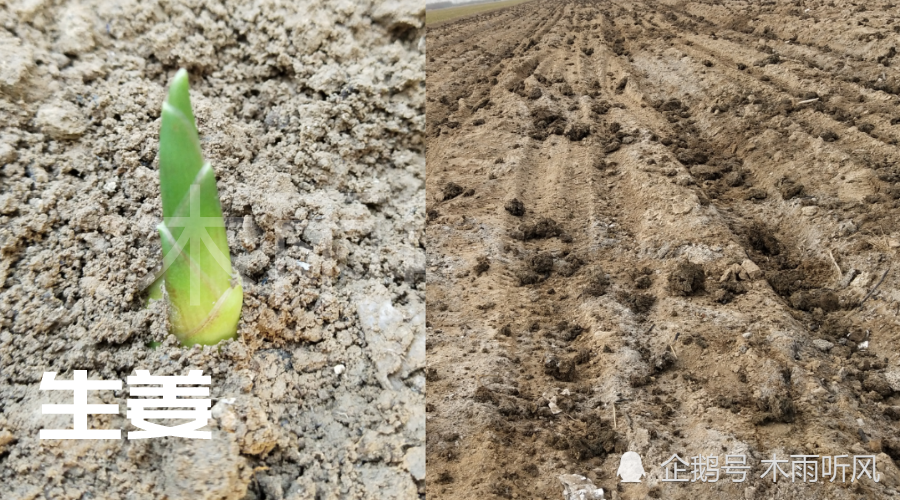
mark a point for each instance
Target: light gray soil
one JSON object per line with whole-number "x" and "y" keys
{"x": 311, "y": 113}
{"x": 667, "y": 228}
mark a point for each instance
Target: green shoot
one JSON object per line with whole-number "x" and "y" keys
{"x": 204, "y": 299}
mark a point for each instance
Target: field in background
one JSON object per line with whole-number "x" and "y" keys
{"x": 664, "y": 228}
{"x": 439, "y": 15}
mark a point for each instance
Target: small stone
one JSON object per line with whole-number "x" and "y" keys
{"x": 76, "y": 35}
{"x": 809, "y": 211}
{"x": 823, "y": 345}
{"x": 893, "y": 379}
{"x": 17, "y": 61}
{"x": 554, "y": 409}
{"x": 7, "y": 154}
{"x": 862, "y": 280}
{"x": 682, "y": 207}
{"x": 61, "y": 120}
{"x": 753, "y": 271}
{"x": 727, "y": 276}
{"x": 6, "y": 437}
{"x": 339, "y": 369}
{"x": 576, "y": 486}
{"x": 414, "y": 462}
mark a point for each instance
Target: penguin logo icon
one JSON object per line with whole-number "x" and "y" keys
{"x": 630, "y": 468}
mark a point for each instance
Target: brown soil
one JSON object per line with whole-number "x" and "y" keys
{"x": 671, "y": 137}
{"x": 312, "y": 115}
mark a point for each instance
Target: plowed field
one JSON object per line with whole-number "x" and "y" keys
{"x": 669, "y": 228}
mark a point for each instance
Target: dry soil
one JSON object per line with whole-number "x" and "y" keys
{"x": 312, "y": 115}
{"x": 657, "y": 227}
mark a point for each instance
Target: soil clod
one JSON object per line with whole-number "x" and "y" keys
{"x": 559, "y": 368}
{"x": 515, "y": 207}
{"x": 687, "y": 279}
{"x": 452, "y": 190}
